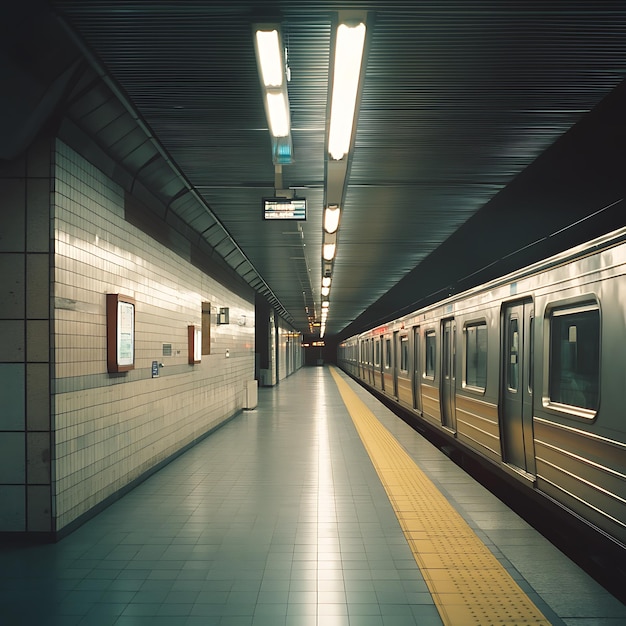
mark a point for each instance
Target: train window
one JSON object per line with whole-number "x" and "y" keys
{"x": 387, "y": 353}
{"x": 476, "y": 355}
{"x": 377, "y": 352}
{"x": 575, "y": 357}
{"x": 404, "y": 353}
{"x": 454, "y": 352}
{"x": 531, "y": 365}
{"x": 512, "y": 367}
{"x": 446, "y": 351}
{"x": 431, "y": 347}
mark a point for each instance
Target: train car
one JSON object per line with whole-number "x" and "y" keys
{"x": 527, "y": 372}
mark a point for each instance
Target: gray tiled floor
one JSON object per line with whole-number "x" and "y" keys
{"x": 278, "y": 518}
{"x": 564, "y": 593}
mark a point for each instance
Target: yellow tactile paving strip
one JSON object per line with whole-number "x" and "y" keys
{"x": 468, "y": 584}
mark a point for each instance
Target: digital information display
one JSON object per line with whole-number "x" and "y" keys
{"x": 284, "y": 209}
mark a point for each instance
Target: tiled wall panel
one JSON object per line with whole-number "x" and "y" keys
{"x": 25, "y": 340}
{"x": 112, "y": 428}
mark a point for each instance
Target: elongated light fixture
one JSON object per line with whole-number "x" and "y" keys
{"x": 270, "y": 58}
{"x": 331, "y": 218}
{"x": 273, "y": 77}
{"x": 346, "y": 74}
{"x": 278, "y": 112}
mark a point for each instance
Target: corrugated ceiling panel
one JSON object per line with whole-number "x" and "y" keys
{"x": 457, "y": 100}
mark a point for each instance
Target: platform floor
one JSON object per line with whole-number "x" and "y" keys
{"x": 280, "y": 518}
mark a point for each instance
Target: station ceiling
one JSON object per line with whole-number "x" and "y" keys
{"x": 488, "y": 134}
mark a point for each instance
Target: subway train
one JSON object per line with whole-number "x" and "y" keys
{"x": 526, "y": 373}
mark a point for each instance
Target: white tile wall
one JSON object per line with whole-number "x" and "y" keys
{"x": 112, "y": 428}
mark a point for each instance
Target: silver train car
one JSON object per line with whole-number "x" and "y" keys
{"x": 527, "y": 372}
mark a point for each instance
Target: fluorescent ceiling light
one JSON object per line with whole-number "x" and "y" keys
{"x": 271, "y": 62}
{"x": 270, "y": 58}
{"x": 325, "y": 291}
{"x": 326, "y": 281}
{"x": 329, "y": 251}
{"x": 331, "y": 218}
{"x": 348, "y": 55}
{"x": 278, "y": 113}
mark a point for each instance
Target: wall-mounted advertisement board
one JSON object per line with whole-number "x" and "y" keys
{"x": 120, "y": 333}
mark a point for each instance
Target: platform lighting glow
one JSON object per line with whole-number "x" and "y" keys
{"x": 331, "y": 218}
{"x": 279, "y": 114}
{"x": 329, "y": 251}
{"x": 268, "y": 46}
{"x": 348, "y": 56}
{"x": 325, "y": 305}
{"x": 325, "y": 291}
{"x": 326, "y": 281}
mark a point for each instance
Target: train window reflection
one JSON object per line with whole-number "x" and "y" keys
{"x": 377, "y": 352}
{"x": 387, "y": 353}
{"x": 575, "y": 357}
{"x": 430, "y": 354}
{"x": 476, "y": 356}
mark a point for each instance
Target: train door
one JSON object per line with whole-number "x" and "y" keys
{"x": 362, "y": 366}
{"x": 516, "y": 427}
{"x": 395, "y": 363}
{"x": 386, "y": 369}
{"x": 448, "y": 374}
{"x": 378, "y": 363}
{"x": 417, "y": 375}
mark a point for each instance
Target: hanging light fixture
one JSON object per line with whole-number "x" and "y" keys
{"x": 349, "y": 45}
{"x": 331, "y": 218}
{"x": 273, "y": 78}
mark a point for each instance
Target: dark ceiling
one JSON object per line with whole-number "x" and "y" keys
{"x": 474, "y": 137}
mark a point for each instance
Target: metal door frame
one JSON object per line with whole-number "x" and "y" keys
{"x": 416, "y": 369}
{"x": 395, "y": 365}
{"x": 448, "y": 399}
{"x": 519, "y": 427}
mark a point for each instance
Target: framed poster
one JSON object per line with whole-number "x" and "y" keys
{"x": 194, "y": 341}
{"x": 120, "y": 333}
